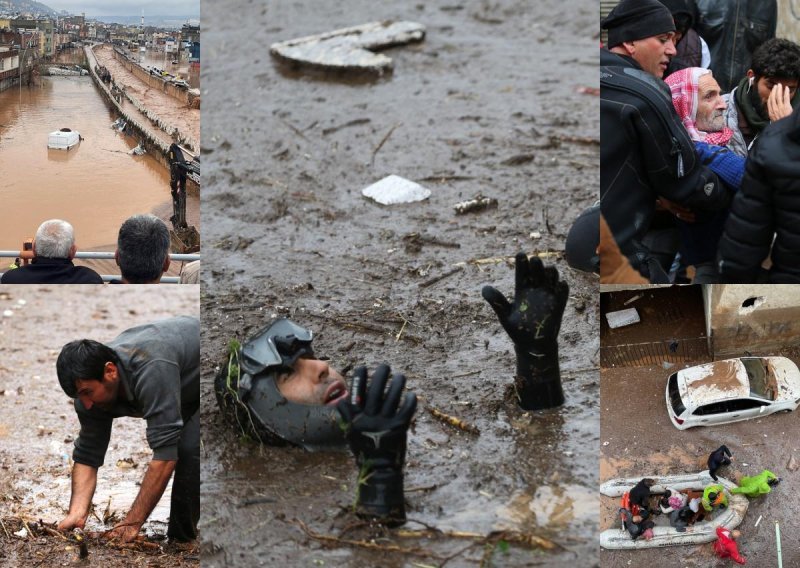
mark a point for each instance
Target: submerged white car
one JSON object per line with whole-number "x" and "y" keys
{"x": 731, "y": 390}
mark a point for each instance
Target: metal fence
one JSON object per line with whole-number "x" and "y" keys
{"x": 655, "y": 352}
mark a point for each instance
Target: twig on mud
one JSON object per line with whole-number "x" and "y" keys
{"x": 294, "y": 129}
{"x": 456, "y": 554}
{"x": 364, "y": 327}
{"x": 5, "y": 530}
{"x": 400, "y": 333}
{"x": 256, "y": 501}
{"x": 499, "y": 259}
{"x": 524, "y": 539}
{"x": 436, "y": 279}
{"x": 334, "y": 540}
{"x": 445, "y": 178}
{"x": 421, "y": 488}
{"x": 453, "y": 421}
{"x": 355, "y": 122}
{"x": 382, "y": 142}
{"x": 467, "y": 374}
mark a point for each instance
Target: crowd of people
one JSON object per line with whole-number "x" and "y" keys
{"x": 686, "y": 507}
{"x": 700, "y": 144}
{"x": 142, "y": 255}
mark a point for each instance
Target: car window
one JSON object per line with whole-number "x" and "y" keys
{"x": 714, "y": 408}
{"x": 757, "y": 375}
{"x": 744, "y": 404}
{"x": 675, "y": 395}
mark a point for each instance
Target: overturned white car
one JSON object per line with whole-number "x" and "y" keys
{"x": 732, "y": 390}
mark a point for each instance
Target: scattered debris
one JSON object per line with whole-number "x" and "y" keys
{"x": 632, "y": 299}
{"x": 793, "y": 464}
{"x": 138, "y": 150}
{"x": 350, "y": 48}
{"x": 395, "y": 189}
{"x": 518, "y": 160}
{"x": 453, "y": 421}
{"x": 621, "y": 318}
{"x": 126, "y": 463}
{"x": 477, "y": 203}
{"x": 758, "y": 521}
{"x": 588, "y": 91}
{"x": 436, "y": 279}
{"x": 383, "y": 141}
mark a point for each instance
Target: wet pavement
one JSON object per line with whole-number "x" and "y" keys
{"x": 95, "y": 185}
{"x": 638, "y": 439}
{"x": 466, "y": 111}
{"x": 38, "y": 424}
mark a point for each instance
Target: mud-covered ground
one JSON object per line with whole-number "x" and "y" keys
{"x": 638, "y": 439}
{"x": 38, "y": 424}
{"x": 489, "y": 103}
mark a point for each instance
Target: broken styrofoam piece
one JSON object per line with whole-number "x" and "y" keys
{"x": 395, "y": 189}
{"x": 622, "y": 318}
{"x": 350, "y": 48}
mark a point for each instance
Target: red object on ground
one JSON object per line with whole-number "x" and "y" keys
{"x": 725, "y": 546}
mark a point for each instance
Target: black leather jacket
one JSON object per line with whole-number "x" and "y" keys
{"x": 733, "y": 29}
{"x": 767, "y": 204}
{"x": 645, "y": 153}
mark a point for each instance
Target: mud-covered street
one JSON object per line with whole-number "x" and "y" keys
{"x": 38, "y": 424}
{"x": 638, "y": 439}
{"x": 489, "y": 103}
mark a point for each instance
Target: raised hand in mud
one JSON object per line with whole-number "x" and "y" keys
{"x": 533, "y": 321}
{"x": 376, "y": 426}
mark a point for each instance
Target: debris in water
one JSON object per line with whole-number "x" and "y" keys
{"x": 126, "y": 463}
{"x": 138, "y": 151}
{"x": 453, "y": 421}
{"x": 477, "y": 203}
{"x": 350, "y": 48}
{"x": 395, "y": 189}
{"x": 622, "y": 318}
{"x": 793, "y": 464}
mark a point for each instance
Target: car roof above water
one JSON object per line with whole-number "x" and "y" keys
{"x": 720, "y": 380}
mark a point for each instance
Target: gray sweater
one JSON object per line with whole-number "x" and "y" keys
{"x": 159, "y": 371}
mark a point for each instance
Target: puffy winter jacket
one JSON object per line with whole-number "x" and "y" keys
{"x": 767, "y": 204}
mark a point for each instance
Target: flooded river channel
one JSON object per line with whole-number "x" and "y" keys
{"x": 95, "y": 185}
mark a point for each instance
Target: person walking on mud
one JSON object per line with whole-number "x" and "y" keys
{"x": 153, "y": 372}
{"x": 719, "y": 457}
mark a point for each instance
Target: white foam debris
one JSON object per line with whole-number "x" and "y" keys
{"x": 395, "y": 189}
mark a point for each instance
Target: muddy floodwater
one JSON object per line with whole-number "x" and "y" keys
{"x": 38, "y": 424}
{"x": 95, "y": 185}
{"x": 492, "y": 102}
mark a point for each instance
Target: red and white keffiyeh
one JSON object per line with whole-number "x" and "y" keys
{"x": 684, "y": 87}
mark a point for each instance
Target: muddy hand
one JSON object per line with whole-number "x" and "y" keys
{"x": 123, "y": 532}
{"x": 376, "y": 426}
{"x": 532, "y": 322}
{"x": 72, "y": 522}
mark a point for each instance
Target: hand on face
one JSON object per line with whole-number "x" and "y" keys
{"x": 779, "y": 103}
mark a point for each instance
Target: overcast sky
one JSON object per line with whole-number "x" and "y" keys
{"x": 93, "y": 8}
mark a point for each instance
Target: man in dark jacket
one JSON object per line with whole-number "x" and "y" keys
{"x": 152, "y": 372}
{"x": 766, "y": 206}
{"x": 733, "y": 31}
{"x": 645, "y": 154}
{"x": 53, "y": 251}
{"x": 719, "y": 457}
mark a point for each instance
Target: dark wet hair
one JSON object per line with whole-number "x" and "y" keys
{"x": 82, "y": 359}
{"x": 712, "y": 496}
{"x": 778, "y": 58}
{"x": 143, "y": 246}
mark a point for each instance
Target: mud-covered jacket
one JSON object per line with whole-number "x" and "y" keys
{"x": 645, "y": 153}
{"x": 767, "y": 204}
{"x": 733, "y": 29}
{"x": 159, "y": 373}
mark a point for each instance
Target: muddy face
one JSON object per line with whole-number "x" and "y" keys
{"x": 312, "y": 382}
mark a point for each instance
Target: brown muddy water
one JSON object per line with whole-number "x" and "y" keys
{"x": 95, "y": 185}
{"x": 38, "y": 424}
{"x": 488, "y": 103}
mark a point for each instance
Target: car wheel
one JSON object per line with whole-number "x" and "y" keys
{"x": 785, "y": 411}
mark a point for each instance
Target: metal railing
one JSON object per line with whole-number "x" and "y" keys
{"x": 110, "y": 256}
{"x": 655, "y": 352}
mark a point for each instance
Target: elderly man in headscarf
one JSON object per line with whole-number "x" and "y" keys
{"x": 698, "y": 101}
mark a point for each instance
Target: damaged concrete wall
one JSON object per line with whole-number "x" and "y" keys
{"x": 752, "y": 318}
{"x": 788, "y": 20}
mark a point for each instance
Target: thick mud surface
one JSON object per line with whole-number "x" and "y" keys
{"x": 38, "y": 424}
{"x": 638, "y": 439}
{"x": 489, "y": 104}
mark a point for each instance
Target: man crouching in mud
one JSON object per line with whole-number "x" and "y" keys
{"x": 152, "y": 372}
{"x": 274, "y": 389}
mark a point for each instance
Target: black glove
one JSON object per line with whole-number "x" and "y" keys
{"x": 376, "y": 431}
{"x": 533, "y": 322}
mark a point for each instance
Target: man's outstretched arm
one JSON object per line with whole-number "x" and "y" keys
{"x": 84, "y": 481}
{"x": 153, "y": 486}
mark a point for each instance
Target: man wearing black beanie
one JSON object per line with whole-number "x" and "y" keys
{"x": 646, "y": 155}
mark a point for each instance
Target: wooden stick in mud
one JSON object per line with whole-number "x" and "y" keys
{"x": 362, "y": 543}
{"x": 5, "y": 530}
{"x": 436, "y": 279}
{"x": 383, "y": 141}
{"x": 453, "y": 421}
{"x": 525, "y": 539}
